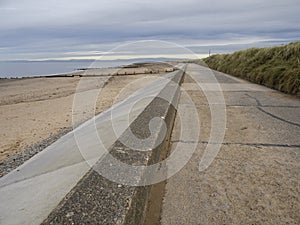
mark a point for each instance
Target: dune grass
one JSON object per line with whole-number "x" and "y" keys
{"x": 274, "y": 67}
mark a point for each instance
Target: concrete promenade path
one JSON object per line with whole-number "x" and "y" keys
{"x": 254, "y": 178}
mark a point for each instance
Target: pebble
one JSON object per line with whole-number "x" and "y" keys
{"x": 70, "y": 214}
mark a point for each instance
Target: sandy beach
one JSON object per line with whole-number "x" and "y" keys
{"x": 34, "y": 112}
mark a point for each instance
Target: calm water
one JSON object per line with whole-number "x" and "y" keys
{"x": 29, "y": 69}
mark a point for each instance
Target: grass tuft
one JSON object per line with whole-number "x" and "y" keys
{"x": 274, "y": 67}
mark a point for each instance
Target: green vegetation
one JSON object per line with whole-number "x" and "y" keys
{"x": 275, "y": 67}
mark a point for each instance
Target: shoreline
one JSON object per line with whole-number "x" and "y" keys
{"x": 78, "y": 67}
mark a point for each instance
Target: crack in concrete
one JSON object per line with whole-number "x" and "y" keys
{"x": 278, "y": 118}
{"x": 259, "y": 107}
{"x": 240, "y": 143}
{"x": 266, "y": 106}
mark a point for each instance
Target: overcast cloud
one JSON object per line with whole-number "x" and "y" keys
{"x": 36, "y": 29}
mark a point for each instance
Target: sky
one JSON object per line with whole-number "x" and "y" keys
{"x": 110, "y": 29}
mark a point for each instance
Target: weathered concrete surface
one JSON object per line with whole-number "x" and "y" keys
{"x": 29, "y": 193}
{"x": 255, "y": 177}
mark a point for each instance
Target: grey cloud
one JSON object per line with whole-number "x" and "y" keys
{"x": 63, "y": 26}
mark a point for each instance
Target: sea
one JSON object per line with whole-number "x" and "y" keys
{"x": 19, "y": 69}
